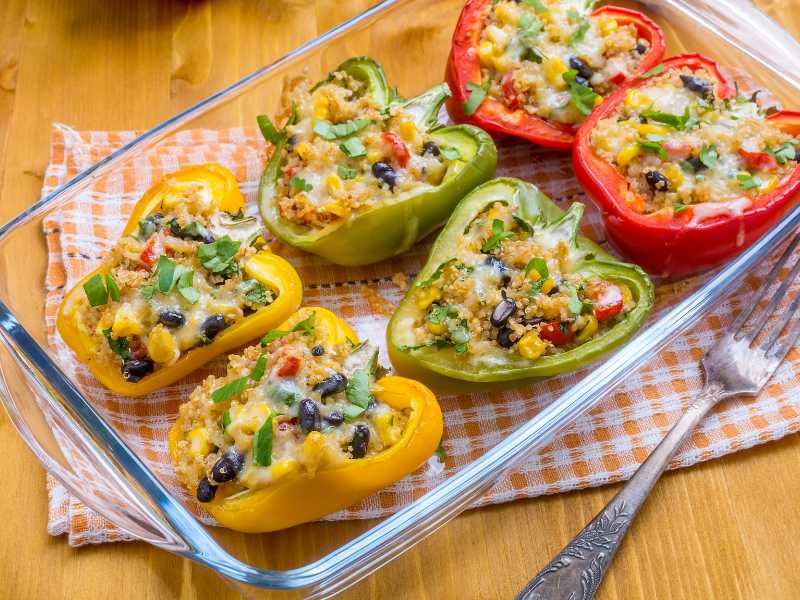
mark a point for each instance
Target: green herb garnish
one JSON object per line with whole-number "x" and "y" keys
{"x": 783, "y": 153}
{"x": 578, "y": 35}
{"x": 166, "y": 274}
{"x": 653, "y": 146}
{"x": 477, "y": 94}
{"x": 96, "y": 291}
{"x": 306, "y": 326}
{"x": 652, "y": 72}
{"x": 537, "y": 5}
{"x": 329, "y": 131}
{"x": 498, "y": 235}
{"x": 747, "y": 181}
{"x": 679, "y": 122}
{"x": 582, "y": 96}
{"x": 357, "y": 389}
{"x": 708, "y": 156}
{"x": 261, "y": 366}
{"x": 679, "y": 207}
{"x": 262, "y": 444}
{"x": 353, "y": 147}
{"x": 226, "y": 419}
{"x": 119, "y": 346}
{"x": 148, "y": 291}
{"x": 300, "y": 184}
{"x": 540, "y": 266}
{"x": 435, "y": 275}
{"x": 229, "y": 390}
{"x": 346, "y": 172}
{"x": 113, "y": 288}
{"x": 218, "y": 256}
{"x": 255, "y": 292}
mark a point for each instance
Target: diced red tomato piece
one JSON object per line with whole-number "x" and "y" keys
{"x": 619, "y": 78}
{"x": 152, "y": 251}
{"x": 510, "y": 91}
{"x": 290, "y": 367}
{"x": 607, "y": 299}
{"x": 558, "y": 333}
{"x": 399, "y": 149}
{"x": 760, "y": 161}
{"x": 290, "y": 171}
{"x": 677, "y": 149}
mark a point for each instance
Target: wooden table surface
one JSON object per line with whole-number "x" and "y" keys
{"x": 726, "y": 529}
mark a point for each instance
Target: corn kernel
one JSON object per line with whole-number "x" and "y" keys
{"x": 387, "y": 430}
{"x": 534, "y": 275}
{"x": 770, "y": 184}
{"x": 336, "y": 209}
{"x": 486, "y": 52}
{"x": 161, "y": 346}
{"x": 498, "y": 36}
{"x": 627, "y": 296}
{"x": 313, "y": 450}
{"x": 428, "y": 296}
{"x": 374, "y": 156}
{"x": 437, "y": 328}
{"x": 554, "y": 69}
{"x": 548, "y": 285}
{"x": 588, "y": 330}
{"x": 408, "y": 130}
{"x": 199, "y": 442}
{"x": 627, "y": 154}
{"x": 531, "y": 346}
{"x": 321, "y": 104}
{"x": 503, "y": 63}
{"x": 126, "y": 322}
{"x": 507, "y": 12}
{"x": 283, "y": 468}
{"x": 607, "y": 25}
{"x": 333, "y": 182}
{"x": 645, "y": 128}
{"x": 303, "y": 150}
{"x": 635, "y": 99}
{"x": 675, "y": 175}
{"x": 598, "y": 100}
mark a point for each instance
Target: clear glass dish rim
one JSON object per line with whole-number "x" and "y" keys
{"x": 369, "y": 551}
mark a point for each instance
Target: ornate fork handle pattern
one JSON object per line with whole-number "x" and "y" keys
{"x": 576, "y": 572}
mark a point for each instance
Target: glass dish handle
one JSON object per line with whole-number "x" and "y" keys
{"x": 743, "y": 25}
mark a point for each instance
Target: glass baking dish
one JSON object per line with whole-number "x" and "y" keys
{"x": 90, "y": 457}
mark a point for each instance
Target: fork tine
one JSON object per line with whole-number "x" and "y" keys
{"x": 777, "y": 354}
{"x": 776, "y": 298}
{"x": 784, "y": 320}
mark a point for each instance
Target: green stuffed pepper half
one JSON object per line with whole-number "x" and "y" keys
{"x": 511, "y": 292}
{"x": 359, "y": 174}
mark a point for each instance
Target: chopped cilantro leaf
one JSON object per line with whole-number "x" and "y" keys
{"x": 657, "y": 70}
{"x": 708, "y": 156}
{"x": 435, "y": 275}
{"x": 477, "y": 94}
{"x": 353, "y": 147}
{"x": 120, "y": 346}
{"x": 300, "y": 184}
{"x": 262, "y": 444}
{"x": 747, "y": 181}
{"x": 329, "y": 131}
{"x": 229, "y": 390}
{"x": 653, "y": 146}
{"x": 113, "y": 288}
{"x": 498, "y": 235}
{"x": 96, "y": 291}
{"x": 346, "y": 172}
{"x": 540, "y": 266}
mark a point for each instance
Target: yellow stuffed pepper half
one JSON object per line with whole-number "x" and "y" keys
{"x": 302, "y": 425}
{"x": 190, "y": 278}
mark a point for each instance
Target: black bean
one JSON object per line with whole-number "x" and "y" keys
{"x": 205, "y": 490}
{"x": 360, "y": 441}
{"x": 431, "y": 148}
{"x": 331, "y": 385}
{"x": 291, "y": 141}
{"x": 309, "y": 415}
{"x": 228, "y": 466}
{"x": 317, "y": 350}
{"x": 134, "y": 370}
{"x": 698, "y": 85}
{"x": 696, "y": 164}
{"x": 641, "y": 47}
{"x": 336, "y": 418}
{"x": 554, "y": 291}
{"x": 504, "y": 310}
{"x": 657, "y": 181}
{"x": 797, "y": 155}
{"x": 171, "y": 318}
{"x": 502, "y": 268}
{"x": 642, "y": 119}
{"x": 504, "y": 338}
{"x": 211, "y": 327}
{"x": 385, "y": 172}
{"x": 581, "y": 67}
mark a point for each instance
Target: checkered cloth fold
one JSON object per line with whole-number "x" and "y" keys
{"x": 604, "y": 446}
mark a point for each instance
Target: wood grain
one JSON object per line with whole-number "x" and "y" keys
{"x": 726, "y": 529}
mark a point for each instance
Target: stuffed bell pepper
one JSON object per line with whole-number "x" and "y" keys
{"x": 687, "y": 171}
{"x": 358, "y": 174}
{"x": 536, "y": 69}
{"x": 189, "y": 279}
{"x": 511, "y": 292}
{"x": 302, "y": 425}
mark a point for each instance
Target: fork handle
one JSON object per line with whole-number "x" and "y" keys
{"x": 576, "y": 572}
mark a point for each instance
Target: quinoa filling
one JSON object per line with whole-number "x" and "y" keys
{"x": 173, "y": 285}
{"x": 511, "y": 289}
{"x": 680, "y": 146}
{"x": 553, "y": 59}
{"x": 293, "y": 405}
{"x": 346, "y": 155}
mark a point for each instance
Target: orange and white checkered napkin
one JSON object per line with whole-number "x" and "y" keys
{"x": 603, "y": 446}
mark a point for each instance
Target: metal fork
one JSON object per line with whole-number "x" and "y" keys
{"x": 738, "y": 364}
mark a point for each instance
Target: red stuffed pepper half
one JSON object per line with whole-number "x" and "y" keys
{"x": 687, "y": 171}
{"x": 536, "y": 69}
